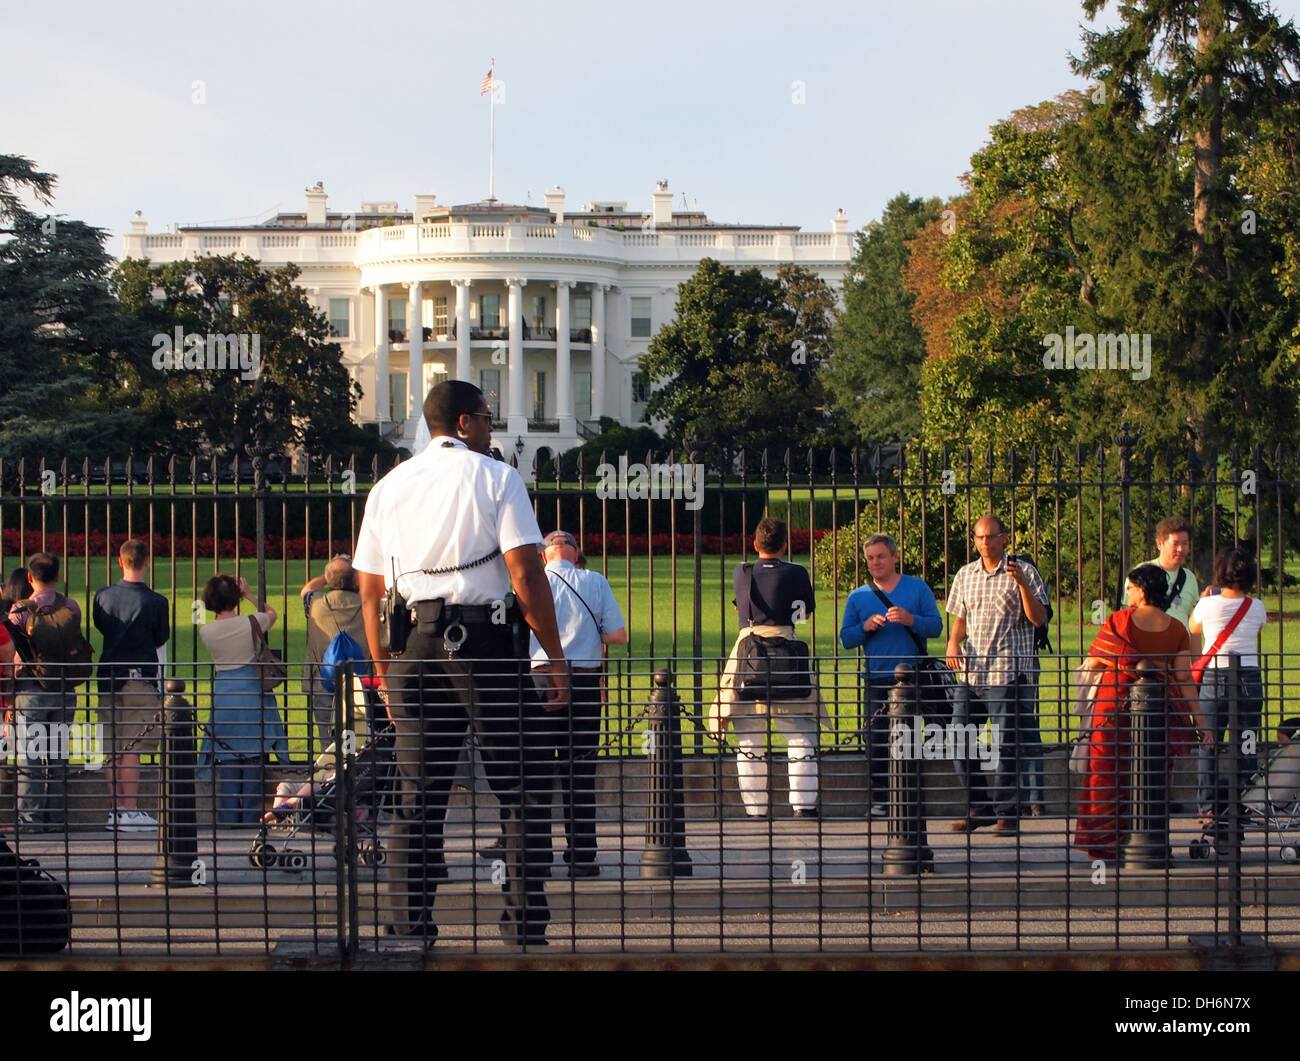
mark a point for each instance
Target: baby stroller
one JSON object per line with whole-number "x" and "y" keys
{"x": 312, "y": 805}
{"x": 1270, "y": 802}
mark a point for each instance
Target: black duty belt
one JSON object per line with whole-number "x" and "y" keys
{"x": 439, "y": 613}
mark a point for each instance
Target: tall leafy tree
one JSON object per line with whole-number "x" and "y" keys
{"x": 738, "y": 366}
{"x": 1191, "y": 90}
{"x": 873, "y": 375}
{"x": 297, "y": 393}
{"x": 66, "y": 360}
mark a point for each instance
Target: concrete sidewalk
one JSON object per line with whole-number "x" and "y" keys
{"x": 802, "y": 884}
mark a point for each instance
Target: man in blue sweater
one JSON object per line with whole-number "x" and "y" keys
{"x": 891, "y": 618}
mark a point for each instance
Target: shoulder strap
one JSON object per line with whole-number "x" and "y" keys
{"x": 1179, "y": 583}
{"x": 749, "y": 591}
{"x": 1226, "y": 632}
{"x": 920, "y": 645}
{"x": 581, "y": 599}
{"x": 258, "y": 636}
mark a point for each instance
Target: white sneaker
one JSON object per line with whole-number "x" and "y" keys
{"x": 132, "y": 821}
{"x": 879, "y": 810}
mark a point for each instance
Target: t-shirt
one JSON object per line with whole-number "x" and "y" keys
{"x": 18, "y": 617}
{"x": 579, "y": 635}
{"x": 1215, "y": 613}
{"x": 230, "y": 641}
{"x": 1181, "y": 606}
{"x": 134, "y": 622}
{"x": 783, "y": 594}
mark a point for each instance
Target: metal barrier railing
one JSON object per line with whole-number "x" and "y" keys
{"x": 427, "y": 824}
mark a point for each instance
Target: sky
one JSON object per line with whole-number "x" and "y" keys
{"x": 760, "y": 112}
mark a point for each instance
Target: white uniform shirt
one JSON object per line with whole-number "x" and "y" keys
{"x": 446, "y": 507}
{"x": 579, "y": 636}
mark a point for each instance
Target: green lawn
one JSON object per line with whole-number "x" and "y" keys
{"x": 658, "y": 603}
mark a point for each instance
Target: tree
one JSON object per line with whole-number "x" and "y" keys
{"x": 254, "y": 364}
{"x": 739, "y": 365}
{"x": 873, "y": 375}
{"x": 1190, "y": 91}
{"x": 65, "y": 355}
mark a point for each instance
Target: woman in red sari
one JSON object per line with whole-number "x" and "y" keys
{"x": 1140, "y": 631}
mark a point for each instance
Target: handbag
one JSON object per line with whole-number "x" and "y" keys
{"x": 270, "y": 668}
{"x": 1198, "y": 668}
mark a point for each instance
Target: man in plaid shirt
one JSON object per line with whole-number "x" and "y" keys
{"x": 995, "y": 603}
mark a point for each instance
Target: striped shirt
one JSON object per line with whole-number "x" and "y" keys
{"x": 999, "y": 645}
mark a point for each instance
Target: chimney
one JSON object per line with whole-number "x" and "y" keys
{"x": 316, "y": 204}
{"x": 424, "y": 205}
{"x": 139, "y": 226}
{"x": 840, "y": 222}
{"x": 663, "y": 203}
{"x": 555, "y": 203}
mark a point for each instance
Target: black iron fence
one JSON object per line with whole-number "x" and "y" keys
{"x": 760, "y": 845}
{"x": 668, "y": 548}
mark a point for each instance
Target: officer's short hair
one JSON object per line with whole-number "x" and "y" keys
{"x": 447, "y": 403}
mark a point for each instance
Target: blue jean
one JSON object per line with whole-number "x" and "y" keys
{"x": 239, "y": 791}
{"x": 1013, "y": 711}
{"x": 43, "y": 778}
{"x": 1212, "y": 790}
{"x": 875, "y": 733}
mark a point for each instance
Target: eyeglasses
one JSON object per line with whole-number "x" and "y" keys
{"x": 486, "y": 416}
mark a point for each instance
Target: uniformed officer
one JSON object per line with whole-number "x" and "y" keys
{"x": 452, "y": 529}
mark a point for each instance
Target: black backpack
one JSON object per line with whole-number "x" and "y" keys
{"x": 57, "y": 654}
{"x": 1042, "y": 642}
{"x": 35, "y": 914}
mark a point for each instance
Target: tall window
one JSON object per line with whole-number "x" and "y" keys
{"x": 440, "y": 315}
{"x": 489, "y": 382}
{"x": 397, "y": 396}
{"x": 434, "y": 372}
{"x": 582, "y": 395}
{"x": 580, "y": 312}
{"x": 539, "y": 395}
{"x": 539, "y": 322}
{"x": 490, "y": 311}
{"x": 339, "y": 318}
{"x": 640, "y": 395}
{"x": 640, "y": 318}
{"x": 397, "y": 320}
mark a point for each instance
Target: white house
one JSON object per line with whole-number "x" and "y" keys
{"x": 547, "y": 310}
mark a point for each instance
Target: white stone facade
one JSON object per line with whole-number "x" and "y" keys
{"x": 547, "y": 311}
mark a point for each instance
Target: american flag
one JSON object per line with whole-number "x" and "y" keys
{"x": 486, "y": 86}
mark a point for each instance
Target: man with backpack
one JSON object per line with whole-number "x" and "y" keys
{"x": 333, "y": 609}
{"x": 133, "y": 620}
{"x": 997, "y": 603}
{"x": 55, "y": 659}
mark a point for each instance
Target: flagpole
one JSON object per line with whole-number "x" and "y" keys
{"x": 492, "y": 133}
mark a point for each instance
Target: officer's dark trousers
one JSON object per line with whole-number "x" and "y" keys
{"x": 433, "y": 699}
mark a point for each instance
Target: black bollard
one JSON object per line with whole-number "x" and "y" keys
{"x": 1147, "y": 846}
{"x": 178, "y": 754}
{"x": 906, "y": 854}
{"x": 665, "y": 828}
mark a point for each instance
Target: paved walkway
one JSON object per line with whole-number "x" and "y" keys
{"x": 781, "y": 885}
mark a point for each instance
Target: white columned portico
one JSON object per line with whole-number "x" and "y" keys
{"x": 415, "y": 369}
{"x": 598, "y": 350}
{"x": 463, "y": 369}
{"x": 517, "y": 413}
{"x": 563, "y": 360}
{"x": 381, "y": 355}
